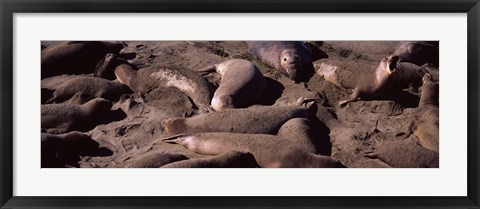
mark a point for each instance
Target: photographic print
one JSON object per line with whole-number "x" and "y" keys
{"x": 240, "y": 104}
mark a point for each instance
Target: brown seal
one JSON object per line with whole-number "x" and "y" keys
{"x": 75, "y": 57}
{"x": 417, "y": 52}
{"x": 266, "y": 120}
{"x": 61, "y": 118}
{"x": 91, "y": 87}
{"x": 57, "y": 147}
{"x": 156, "y": 160}
{"x": 230, "y": 159}
{"x": 148, "y": 79}
{"x": 242, "y": 84}
{"x": 404, "y": 154}
{"x": 292, "y": 58}
{"x": 390, "y": 76}
{"x": 425, "y": 122}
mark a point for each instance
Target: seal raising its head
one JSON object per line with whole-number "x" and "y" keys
{"x": 292, "y": 58}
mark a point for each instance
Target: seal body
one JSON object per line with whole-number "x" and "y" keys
{"x": 389, "y": 76}
{"x": 254, "y": 120}
{"x": 62, "y": 118}
{"x": 75, "y": 57}
{"x": 242, "y": 84}
{"x": 156, "y": 160}
{"x": 230, "y": 159}
{"x": 425, "y": 122}
{"x": 91, "y": 87}
{"x": 270, "y": 151}
{"x": 417, "y": 52}
{"x": 55, "y": 148}
{"x": 147, "y": 79}
{"x": 292, "y": 58}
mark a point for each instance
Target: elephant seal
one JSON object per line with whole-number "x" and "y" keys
{"x": 241, "y": 85}
{"x": 156, "y": 160}
{"x": 148, "y": 79}
{"x": 425, "y": 121}
{"x": 62, "y": 118}
{"x": 75, "y": 57}
{"x": 404, "y": 154}
{"x": 266, "y": 120}
{"x": 417, "y": 52}
{"x": 292, "y": 58}
{"x": 390, "y": 76}
{"x": 91, "y": 87}
{"x": 230, "y": 159}
{"x": 291, "y": 147}
{"x": 270, "y": 151}
{"x": 54, "y": 148}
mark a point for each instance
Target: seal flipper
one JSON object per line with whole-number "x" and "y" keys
{"x": 175, "y": 139}
{"x": 206, "y": 70}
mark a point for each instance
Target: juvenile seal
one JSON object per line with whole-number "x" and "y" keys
{"x": 57, "y": 147}
{"x": 417, "y": 52}
{"x": 254, "y": 120}
{"x": 389, "y": 76}
{"x": 242, "y": 84}
{"x": 404, "y": 154}
{"x": 147, "y": 79}
{"x": 91, "y": 87}
{"x": 270, "y": 151}
{"x": 292, "y": 58}
{"x": 61, "y": 118}
{"x": 230, "y": 159}
{"x": 425, "y": 122}
{"x": 75, "y": 57}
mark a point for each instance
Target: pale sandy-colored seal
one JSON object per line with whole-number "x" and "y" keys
{"x": 55, "y": 147}
{"x": 270, "y": 151}
{"x": 390, "y": 76}
{"x": 91, "y": 87}
{"x": 230, "y": 159}
{"x": 417, "y": 52}
{"x": 255, "y": 119}
{"x": 75, "y": 57}
{"x": 62, "y": 118}
{"x": 425, "y": 122}
{"x": 292, "y": 58}
{"x": 293, "y": 146}
{"x": 148, "y": 79}
{"x": 242, "y": 84}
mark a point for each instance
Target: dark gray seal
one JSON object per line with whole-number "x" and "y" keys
{"x": 75, "y": 57}
{"x": 292, "y": 58}
{"x": 91, "y": 87}
{"x": 417, "y": 52}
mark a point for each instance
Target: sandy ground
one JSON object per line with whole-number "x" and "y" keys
{"x": 352, "y": 131}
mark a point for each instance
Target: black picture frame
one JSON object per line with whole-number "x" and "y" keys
{"x": 9, "y": 7}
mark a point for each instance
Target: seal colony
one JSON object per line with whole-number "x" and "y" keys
{"x": 226, "y": 104}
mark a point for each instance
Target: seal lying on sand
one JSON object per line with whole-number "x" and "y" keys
{"x": 292, "y": 58}
{"x": 76, "y": 57}
{"x": 270, "y": 151}
{"x": 61, "y": 118}
{"x": 55, "y": 147}
{"x": 147, "y": 79}
{"x": 417, "y": 52}
{"x": 230, "y": 159}
{"x": 156, "y": 160}
{"x": 242, "y": 84}
{"x": 92, "y": 87}
{"x": 254, "y": 120}
{"x": 404, "y": 154}
{"x": 425, "y": 122}
{"x": 389, "y": 76}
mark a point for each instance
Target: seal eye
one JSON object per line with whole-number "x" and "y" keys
{"x": 285, "y": 59}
